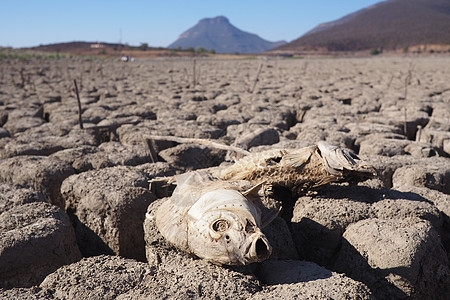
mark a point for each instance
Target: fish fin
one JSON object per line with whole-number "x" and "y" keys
{"x": 267, "y": 206}
{"x": 253, "y": 189}
{"x": 268, "y": 215}
{"x": 299, "y": 158}
{"x": 170, "y": 223}
{"x": 340, "y": 162}
{"x": 189, "y": 188}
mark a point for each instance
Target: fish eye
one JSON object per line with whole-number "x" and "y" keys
{"x": 250, "y": 227}
{"x": 220, "y": 225}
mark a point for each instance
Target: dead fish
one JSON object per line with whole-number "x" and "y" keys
{"x": 300, "y": 169}
{"x": 214, "y": 220}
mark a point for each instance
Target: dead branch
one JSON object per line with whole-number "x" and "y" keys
{"x": 152, "y": 151}
{"x": 196, "y": 141}
{"x": 80, "y": 120}
{"x": 256, "y": 78}
{"x": 408, "y": 79}
{"x": 194, "y": 81}
{"x": 405, "y": 128}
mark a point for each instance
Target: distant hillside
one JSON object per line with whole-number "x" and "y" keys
{"x": 68, "y": 46}
{"x": 342, "y": 20}
{"x": 100, "y": 49}
{"x": 392, "y": 24}
{"x": 219, "y": 34}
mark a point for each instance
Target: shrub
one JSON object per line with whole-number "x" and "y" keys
{"x": 200, "y": 50}
{"x": 375, "y": 51}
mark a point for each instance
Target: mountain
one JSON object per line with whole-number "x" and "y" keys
{"x": 342, "y": 20}
{"x": 72, "y": 46}
{"x": 391, "y": 24}
{"x": 219, "y": 34}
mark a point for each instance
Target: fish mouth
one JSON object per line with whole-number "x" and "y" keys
{"x": 259, "y": 249}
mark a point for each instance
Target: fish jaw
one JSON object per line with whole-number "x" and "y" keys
{"x": 258, "y": 250}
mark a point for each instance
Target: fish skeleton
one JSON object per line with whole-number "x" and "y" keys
{"x": 218, "y": 216}
{"x": 300, "y": 169}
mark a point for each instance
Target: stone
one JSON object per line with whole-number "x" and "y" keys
{"x": 95, "y": 114}
{"x": 280, "y": 238}
{"x": 11, "y": 196}
{"x": 176, "y": 277}
{"x": 383, "y": 146}
{"x": 108, "y": 208}
{"x": 192, "y": 157}
{"x": 438, "y": 138}
{"x": 47, "y": 139}
{"x": 366, "y": 128}
{"x": 420, "y": 150}
{"x": 35, "y": 239}
{"x": 78, "y": 157}
{"x": 306, "y": 280}
{"x": 135, "y": 135}
{"x": 114, "y": 153}
{"x": 318, "y": 224}
{"x": 386, "y": 166}
{"x": 16, "y": 125}
{"x": 441, "y": 202}
{"x": 408, "y": 117}
{"x": 402, "y": 205}
{"x": 4, "y": 133}
{"x": 396, "y": 258}
{"x": 262, "y": 136}
{"x": 435, "y": 175}
{"x": 44, "y": 174}
{"x": 98, "y": 277}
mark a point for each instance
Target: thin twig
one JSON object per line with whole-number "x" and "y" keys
{"x": 22, "y": 77}
{"x": 390, "y": 82}
{"x": 256, "y": 78}
{"x": 80, "y": 120}
{"x": 419, "y": 133}
{"x": 405, "y": 127}
{"x": 406, "y": 88}
{"x": 151, "y": 148}
{"x": 197, "y": 141}
{"x": 305, "y": 66}
{"x": 194, "y": 81}
{"x": 408, "y": 79}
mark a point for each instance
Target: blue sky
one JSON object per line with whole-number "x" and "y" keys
{"x": 25, "y": 23}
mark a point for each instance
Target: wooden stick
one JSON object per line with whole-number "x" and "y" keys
{"x": 194, "y": 81}
{"x": 197, "y": 141}
{"x": 405, "y": 127}
{"x": 152, "y": 151}
{"x": 80, "y": 120}
{"x": 257, "y": 77}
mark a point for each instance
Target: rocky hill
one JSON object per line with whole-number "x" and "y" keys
{"x": 392, "y": 24}
{"x": 74, "y": 46}
{"x": 219, "y": 34}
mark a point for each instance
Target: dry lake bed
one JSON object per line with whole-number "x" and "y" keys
{"x": 73, "y": 200}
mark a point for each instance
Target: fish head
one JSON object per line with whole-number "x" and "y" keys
{"x": 223, "y": 227}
